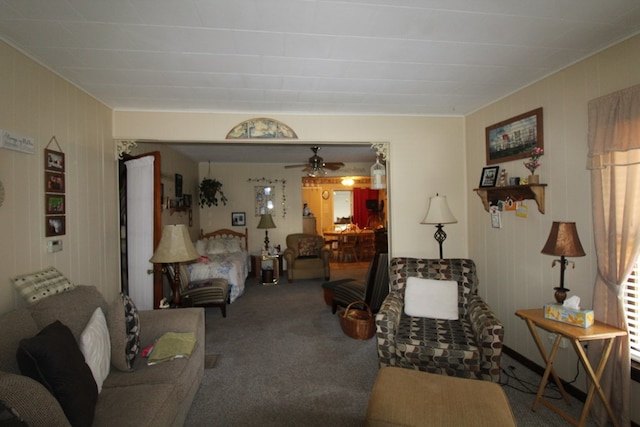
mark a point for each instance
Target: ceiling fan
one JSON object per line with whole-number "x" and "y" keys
{"x": 316, "y": 165}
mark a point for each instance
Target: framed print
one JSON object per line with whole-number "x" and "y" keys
{"x": 53, "y": 182}
{"x": 238, "y": 218}
{"x": 178, "y": 185}
{"x": 489, "y": 176}
{"x": 265, "y": 197}
{"x": 55, "y": 226}
{"x": 187, "y": 200}
{"x": 54, "y": 204}
{"x": 514, "y": 138}
{"x": 53, "y": 160}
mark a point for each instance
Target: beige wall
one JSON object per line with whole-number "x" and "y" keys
{"x": 37, "y": 103}
{"x": 513, "y": 272}
{"x": 426, "y": 156}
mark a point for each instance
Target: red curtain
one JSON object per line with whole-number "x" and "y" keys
{"x": 360, "y": 212}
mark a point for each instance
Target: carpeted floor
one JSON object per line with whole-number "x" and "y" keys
{"x": 281, "y": 359}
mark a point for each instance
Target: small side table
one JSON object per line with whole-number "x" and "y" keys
{"x": 599, "y": 331}
{"x": 256, "y": 264}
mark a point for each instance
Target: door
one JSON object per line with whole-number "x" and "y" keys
{"x": 141, "y": 228}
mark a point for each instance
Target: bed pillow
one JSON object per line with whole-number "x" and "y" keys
{"x": 223, "y": 245}
{"x": 215, "y": 247}
{"x": 124, "y": 332}
{"x": 435, "y": 299}
{"x": 307, "y": 247}
{"x": 201, "y": 247}
{"x": 53, "y": 359}
{"x": 95, "y": 345}
{"x": 41, "y": 284}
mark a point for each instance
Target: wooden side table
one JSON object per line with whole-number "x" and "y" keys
{"x": 256, "y": 267}
{"x": 576, "y": 335}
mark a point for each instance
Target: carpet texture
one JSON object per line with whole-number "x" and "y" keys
{"x": 283, "y": 360}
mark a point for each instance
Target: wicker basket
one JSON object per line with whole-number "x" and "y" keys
{"x": 358, "y": 324}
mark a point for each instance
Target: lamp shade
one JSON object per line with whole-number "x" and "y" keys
{"x": 266, "y": 221}
{"x": 175, "y": 246}
{"x": 563, "y": 240}
{"x": 439, "y": 212}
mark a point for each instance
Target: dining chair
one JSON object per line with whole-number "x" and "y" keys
{"x": 347, "y": 247}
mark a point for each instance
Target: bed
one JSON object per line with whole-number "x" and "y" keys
{"x": 223, "y": 255}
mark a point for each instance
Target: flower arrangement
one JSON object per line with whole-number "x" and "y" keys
{"x": 209, "y": 191}
{"x": 533, "y": 163}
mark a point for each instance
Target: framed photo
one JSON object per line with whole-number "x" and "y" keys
{"x": 54, "y": 204}
{"x": 55, "y": 226}
{"x": 489, "y": 176}
{"x": 178, "y": 185}
{"x": 514, "y": 138}
{"x": 238, "y": 218}
{"x": 53, "y": 182}
{"x": 53, "y": 160}
{"x": 187, "y": 200}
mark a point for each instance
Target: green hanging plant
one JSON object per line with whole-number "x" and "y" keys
{"x": 210, "y": 189}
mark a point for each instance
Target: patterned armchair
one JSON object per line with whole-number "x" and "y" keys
{"x": 307, "y": 257}
{"x": 469, "y": 347}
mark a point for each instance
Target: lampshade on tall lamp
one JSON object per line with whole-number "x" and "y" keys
{"x": 175, "y": 247}
{"x": 266, "y": 222}
{"x": 439, "y": 214}
{"x": 564, "y": 242}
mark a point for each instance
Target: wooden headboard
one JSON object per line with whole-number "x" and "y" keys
{"x": 228, "y": 233}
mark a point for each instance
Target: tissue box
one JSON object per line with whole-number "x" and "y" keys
{"x": 582, "y": 318}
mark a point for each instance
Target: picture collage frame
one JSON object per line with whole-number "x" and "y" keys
{"x": 54, "y": 192}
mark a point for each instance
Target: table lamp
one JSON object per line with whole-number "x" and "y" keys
{"x": 266, "y": 222}
{"x": 175, "y": 247}
{"x": 439, "y": 214}
{"x": 563, "y": 241}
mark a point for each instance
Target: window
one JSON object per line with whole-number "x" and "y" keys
{"x": 631, "y": 301}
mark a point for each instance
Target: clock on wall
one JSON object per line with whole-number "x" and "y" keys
{"x": 325, "y": 194}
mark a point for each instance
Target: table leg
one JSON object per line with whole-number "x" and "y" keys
{"x": 595, "y": 380}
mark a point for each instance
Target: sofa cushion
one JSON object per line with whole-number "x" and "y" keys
{"x": 437, "y": 299}
{"x": 308, "y": 247}
{"x": 35, "y": 286}
{"x": 95, "y": 345}
{"x": 53, "y": 359}
{"x": 124, "y": 332}
{"x": 73, "y": 309}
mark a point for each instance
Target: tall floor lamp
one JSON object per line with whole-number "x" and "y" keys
{"x": 563, "y": 241}
{"x": 439, "y": 214}
{"x": 175, "y": 247}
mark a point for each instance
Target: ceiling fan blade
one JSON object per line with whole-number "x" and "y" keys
{"x": 297, "y": 166}
{"x": 334, "y": 166}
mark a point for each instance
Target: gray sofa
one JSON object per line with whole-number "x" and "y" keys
{"x": 157, "y": 395}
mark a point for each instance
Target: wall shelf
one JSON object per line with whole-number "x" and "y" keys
{"x": 516, "y": 192}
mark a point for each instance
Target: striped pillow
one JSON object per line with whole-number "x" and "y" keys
{"x": 41, "y": 284}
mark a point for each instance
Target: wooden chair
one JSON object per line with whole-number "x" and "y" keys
{"x": 366, "y": 246}
{"x": 347, "y": 247}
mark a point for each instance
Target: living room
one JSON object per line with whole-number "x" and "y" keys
{"x": 429, "y": 155}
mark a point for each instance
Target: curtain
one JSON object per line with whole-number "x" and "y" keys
{"x": 614, "y": 161}
{"x": 140, "y": 230}
{"x": 360, "y": 212}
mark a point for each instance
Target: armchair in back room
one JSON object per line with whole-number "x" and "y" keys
{"x": 307, "y": 257}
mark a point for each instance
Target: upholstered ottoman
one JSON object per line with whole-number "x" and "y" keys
{"x": 404, "y": 397}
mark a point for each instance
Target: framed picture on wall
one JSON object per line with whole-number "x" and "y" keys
{"x": 53, "y": 182}
{"x": 53, "y": 160}
{"x": 238, "y": 219}
{"x": 178, "y": 185}
{"x": 55, "y": 226}
{"x": 54, "y": 204}
{"x": 514, "y": 138}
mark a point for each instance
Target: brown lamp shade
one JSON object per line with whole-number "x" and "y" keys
{"x": 563, "y": 240}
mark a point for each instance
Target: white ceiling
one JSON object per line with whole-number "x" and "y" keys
{"x": 414, "y": 57}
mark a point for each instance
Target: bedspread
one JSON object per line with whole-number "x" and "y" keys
{"x": 233, "y": 267}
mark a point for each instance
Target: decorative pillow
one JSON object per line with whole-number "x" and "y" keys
{"x": 41, "y": 284}
{"x": 53, "y": 359}
{"x": 95, "y": 345}
{"x": 435, "y": 299}
{"x": 307, "y": 247}
{"x": 201, "y": 247}
{"x": 124, "y": 332}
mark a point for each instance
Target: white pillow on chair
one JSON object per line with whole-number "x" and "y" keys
{"x": 435, "y": 299}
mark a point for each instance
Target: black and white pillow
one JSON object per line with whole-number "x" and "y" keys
{"x": 124, "y": 332}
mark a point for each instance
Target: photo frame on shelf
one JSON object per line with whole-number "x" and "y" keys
{"x": 55, "y": 226}
{"x": 238, "y": 219}
{"x": 54, "y": 182}
{"x": 514, "y": 138}
{"x": 489, "y": 176}
{"x": 54, "y": 160}
{"x": 54, "y": 204}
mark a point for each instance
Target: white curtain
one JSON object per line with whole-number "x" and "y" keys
{"x": 614, "y": 160}
{"x": 140, "y": 230}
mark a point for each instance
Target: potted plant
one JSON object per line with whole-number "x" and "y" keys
{"x": 210, "y": 189}
{"x": 533, "y": 164}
